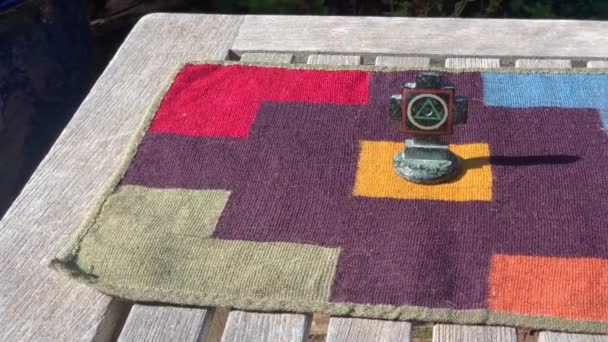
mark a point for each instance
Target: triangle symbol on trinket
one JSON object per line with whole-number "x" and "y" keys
{"x": 428, "y": 111}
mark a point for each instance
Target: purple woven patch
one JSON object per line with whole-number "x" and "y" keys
{"x": 292, "y": 180}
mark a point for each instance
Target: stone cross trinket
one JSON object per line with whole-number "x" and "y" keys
{"x": 428, "y": 109}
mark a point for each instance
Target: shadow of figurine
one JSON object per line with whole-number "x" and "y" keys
{"x": 517, "y": 161}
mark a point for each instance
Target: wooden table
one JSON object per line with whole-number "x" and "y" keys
{"x": 40, "y": 305}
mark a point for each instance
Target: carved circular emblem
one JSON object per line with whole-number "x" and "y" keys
{"x": 427, "y": 111}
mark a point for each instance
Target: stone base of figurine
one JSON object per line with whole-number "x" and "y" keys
{"x": 426, "y": 163}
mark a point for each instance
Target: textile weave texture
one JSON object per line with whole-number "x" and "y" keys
{"x": 271, "y": 188}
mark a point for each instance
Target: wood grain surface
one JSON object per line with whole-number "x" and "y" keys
{"x": 267, "y": 57}
{"x": 543, "y": 63}
{"x": 364, "y": 330}
{"x": 255, "y": 326}
{"x": 424, "y": 36}
{"x": 597, "y": 64}
{"x": 463, "y": 63}
{"x": 321, "y": 59}
{"x": 165, "y": 323}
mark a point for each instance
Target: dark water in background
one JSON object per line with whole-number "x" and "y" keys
{"x": 46, "y": 68}
{"x": 6, "y": 4}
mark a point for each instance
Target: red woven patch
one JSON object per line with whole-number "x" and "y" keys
{"x": 216, "y": 100}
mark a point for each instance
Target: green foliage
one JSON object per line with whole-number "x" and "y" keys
{"x": 398, "y": 9}
{"x": 579, "y": 9}
{"x": 285, "y": 6}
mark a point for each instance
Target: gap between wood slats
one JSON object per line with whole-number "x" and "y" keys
{"x": 113, "y": 320}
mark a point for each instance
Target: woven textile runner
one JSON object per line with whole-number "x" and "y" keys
{"x": 271, "y": 188}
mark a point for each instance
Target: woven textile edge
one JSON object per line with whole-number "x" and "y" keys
{"x": 64, "y": 262}
{"x": 405, "y": 312}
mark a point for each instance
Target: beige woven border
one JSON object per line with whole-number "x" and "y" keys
{"x": 65, "y": 260}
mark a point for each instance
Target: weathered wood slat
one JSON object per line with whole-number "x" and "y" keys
{"x": 549, "y": 336}
{"x": 254, "y": 326}
{"x": 543, "y": 63}
{"x": 363, "y": 330}
{"x": 463, "y": 63}
{"x": 425, "y": 36}
{"x": 334, "y": 59}
{"x": 403, "y": 61}
{"x": 41, "y": 305}
{"x": 597, "y": 64}
{"x": 165, "y": 323}
{"x": 267, "y": 57}
{"x": 470, "y": 333}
